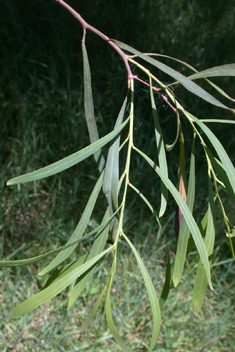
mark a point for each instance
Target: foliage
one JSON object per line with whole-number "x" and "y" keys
{"x": 115, "y": 182}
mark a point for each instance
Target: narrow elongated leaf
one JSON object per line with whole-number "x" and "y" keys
{"x": 232, "y": 122}
{"x": 227, "y": 164}
{"x": 200, "y": 285}
{"x": 111, "y": 176}
{"x": 152, "y": 296}
{"x": 59, "y": 273}
{"x": 80, "y": 228}
{"x": 169, "y": 147}
{"x": 182, "y": 184}
{"x": 97, "y": 247}
{"x": 92, "y": 314}
{"x": 89, "y": 107}
{"x": 217, "y": 71}
{"x": 186, "y": 213}
{"x": 148, "y": 204}
{"x": 28, "y": 261}
{"x": 167, "y": 284}
{"x": 218, "y": 166}
{"x": 108, "y": 312}
{"x": 186, "y": 82}
{"x": 160, "y": 152}
{"x": 202, "y": 227}
{"x": 54, "y": 289}
{"x": 69, "y": 161}
{"x": 184, "y": 232}
{"x": 190, "y": 77}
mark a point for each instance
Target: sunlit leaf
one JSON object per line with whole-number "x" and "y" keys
{"x": 226, "y": 162}
{"x": 54, "y": 289}
{"x": 108, "y": 312}
{"x": 92, "y": 314}
{"x": 152, "y": 296}
{"x": 80, "y": 228}
{"x": 111, "y": 176}
{"x": 89, "y": 107}
{"x": 97, "y": 247}
{"x": 217, "y": 71}
{"x": 160, "y": 152}
{"x": 192, "y": 76}
{"x": 28, "y": 261}
{"x": 186, "y": 82}
{"x": 186, "y": 213}
{"x": 69, "y": 161}
{"x": 182, "y": 243}
{"x": 149, "y": 205}
{"x": 200, "y": 285}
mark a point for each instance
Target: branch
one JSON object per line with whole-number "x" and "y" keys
{"x": 86, "y": 25}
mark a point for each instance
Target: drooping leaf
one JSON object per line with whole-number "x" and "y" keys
{"x": 108, "y": 312}
{"x": 217, "y": 71}
{"x": 92, "y": 314}
{"x": 182, "y": 184}
{"x": 152, "y": 296}
{"x": 149, "y": 205}
{"x": 200, "y": 285}
{"x": 218, "y": 167}
{"x": 97, "y": 247}
{"x": 186, "y": 214}
{"x": 32, "y": 260}
{"x": 192, "y": 76}
{"x": 186, "y": 82}
{"x": 167, "y": 284}
{"x": 80, "y": 228}
{"x": 160, "y": 152}
{"x": 111, "y": 176}
{"x": 54, "y": 289}
{"x": 226, "y": 162}
{"x": 182, "y": 243}
{"x": 69, "y": 161}
{"x": 89, "y": 107}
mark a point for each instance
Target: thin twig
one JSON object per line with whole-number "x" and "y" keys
{"x": 86, "y": 25}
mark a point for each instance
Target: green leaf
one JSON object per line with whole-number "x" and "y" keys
{"x": 89, "y": 107}
{"x": 169, "y": 147}
{"x": 200, "y": 285}
{"x": 92, "y": 314}
{"x": 232, "y": 122}
{"x": 184, "y": 229}
{"x": 160, "y": 151}
{"x": 186, "y": 82}
{"x": 80, "y": 228}
{"x": 96, "y": 248}
{"x": 226, "y": 162}
{"x": 148, "y": 204}
{"x": 28, "y": 261}
{"x": 167, "y": 284}
{"x": 69, "y": 161}
{"x": 192, "y": 76}
{"x": 218, "y": 167}
{"x": 111, "y": 176}
{"x": 108, "y": 312}
{"x": 152, "y": 296}
{"x": 54, "y": 289}
{"x": 186, "y": 213}
{"x": 217, "y": 71}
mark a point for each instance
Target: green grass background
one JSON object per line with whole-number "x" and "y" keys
{"x": 42, "y": 120}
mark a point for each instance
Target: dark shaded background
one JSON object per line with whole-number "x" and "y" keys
{"x": 41, "y": 114}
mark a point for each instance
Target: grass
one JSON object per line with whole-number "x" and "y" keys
{"x": 53, "y": 328}
{"x": 42, "y": 120}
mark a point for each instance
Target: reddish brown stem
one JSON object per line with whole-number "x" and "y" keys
{"x": 86, "y": 25}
